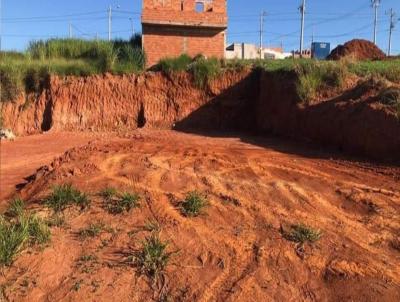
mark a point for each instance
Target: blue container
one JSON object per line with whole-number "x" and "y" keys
{"x": 320, "y": 50}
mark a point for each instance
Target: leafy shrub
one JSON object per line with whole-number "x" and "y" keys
{"x": 193, "y": 204}
{"x": 65, "y": 195}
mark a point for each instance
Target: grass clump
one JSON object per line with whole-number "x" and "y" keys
{"x": 152, "y": 226}
{"x": 108, "y": 193}
{"x": 194, "y": 204}
{"x": 314, "y": 75}
{"x": 16, "y": 208}
{"x": 391, "y": 97}
{"x": 301, "y": 234}
{"x": 153, "y": 257}
{"x": 117, "y": 203}
{"x": 13, "y": 236}
{"x": 205, "y": 70}
{"x": 93, "y": 230}
{"x": 66, "y": 195}
{"x": 39, "y": 232}
{"x": 170, "y": 65}
{"x": 202, "y": 69}
{"x": 10, "y": 83}
{"x": 56, "y": 220}
{"x": 20, "y": 231}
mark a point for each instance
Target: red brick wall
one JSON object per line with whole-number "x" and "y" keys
{"x": 169, "y": 31}
{"x": 161, "y": 42}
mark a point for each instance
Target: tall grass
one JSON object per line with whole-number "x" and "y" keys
{"x": 20, "y": 230}
{"x": 29, "y": 72}
{"x": 205, "y": 70}
{"x": 202, "y": 69}
{"x": 315, "y": 75}
{"x": 106, "y": 54}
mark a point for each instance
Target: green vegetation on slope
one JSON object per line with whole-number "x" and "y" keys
{"x": 18, "y": 230}
{"x": 29, "y": 72}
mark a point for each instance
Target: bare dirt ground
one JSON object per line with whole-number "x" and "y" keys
{"x": 21, "y": 158}
{"x": 235, "y": 251}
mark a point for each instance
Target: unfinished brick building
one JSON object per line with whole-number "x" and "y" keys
{"x": 173, "y": 27}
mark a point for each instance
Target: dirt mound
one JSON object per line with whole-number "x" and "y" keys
{"x": 357, "y": 49}
{"x": 236, "y": 250}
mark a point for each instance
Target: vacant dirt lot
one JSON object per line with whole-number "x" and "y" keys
{"x": 235, "y": 251}
{"x": 21, "y": 158}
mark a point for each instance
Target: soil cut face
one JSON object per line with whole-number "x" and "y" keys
{"x": 357, "y": 49}
{"x": 238, "y": 248}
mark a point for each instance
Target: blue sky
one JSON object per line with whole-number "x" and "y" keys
{"x": 330, "y": 21}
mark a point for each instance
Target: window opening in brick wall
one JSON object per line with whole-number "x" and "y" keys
{"x": 200, "y": 7}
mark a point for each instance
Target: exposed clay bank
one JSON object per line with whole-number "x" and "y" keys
{"x": 265, "y": 102}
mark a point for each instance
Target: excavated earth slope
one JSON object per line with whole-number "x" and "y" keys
{"x": 353, "y": 120}
{"x": 235, "y": 250}
{"x": 257, "y": 188}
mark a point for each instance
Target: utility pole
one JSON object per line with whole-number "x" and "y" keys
{"x": 392, "y": 15}
{"x": 375, "y": 5}
{"x": 312, "y": 36}
{"x": 70, "y": 31}
{"x": 109, "y": 22}
{"x": 262, "y": 15}
{"x": 132, "y": 26}
{"x": 1, "y": 20}
{"x": 302, "y": 9}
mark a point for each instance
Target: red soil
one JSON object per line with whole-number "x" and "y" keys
{"x": 235, "y": 251}
{"x": 357, "y": 49}
{"x": 21, "y": 158}
{"x": 353, "y": 120}
{"x": 256, "y": 187}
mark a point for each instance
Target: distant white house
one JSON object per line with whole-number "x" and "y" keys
{"x": 252, "y": 51}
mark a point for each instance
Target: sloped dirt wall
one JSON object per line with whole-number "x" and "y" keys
{"x": 112, "y": 102}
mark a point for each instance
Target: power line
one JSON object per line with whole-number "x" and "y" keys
{"x": 33, "y": 18}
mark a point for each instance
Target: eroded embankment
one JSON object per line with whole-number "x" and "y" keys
{"x": 111, "y": 102}
{"x": 354, "y": 120}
